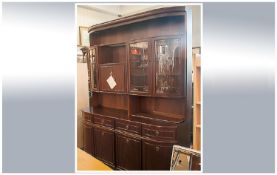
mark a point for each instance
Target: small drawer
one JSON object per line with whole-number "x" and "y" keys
{"x": 87, "y": 116}
{"x": 105, "y": 121}
{"x": 159, "y": 132}
{"x": 128, "y": 126}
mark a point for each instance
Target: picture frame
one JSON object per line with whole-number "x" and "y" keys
{"x": 83, "y": 36}
{"x": 183, "y": 158}
{"x": 81, "y": 57}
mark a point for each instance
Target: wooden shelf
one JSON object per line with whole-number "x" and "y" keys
{"x": 197, "y": 101}
{"x": 109, "y": 64}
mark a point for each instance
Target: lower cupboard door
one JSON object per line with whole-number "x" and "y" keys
{"x": 104, "y": 145}
{"x": 108, "y": 147}
{"x": 156, "y": 156}
{"x": 88, "y": 144}
{"x": 128, "y": 153}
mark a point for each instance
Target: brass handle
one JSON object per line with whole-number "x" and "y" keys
{"x": 127, "y": 127}
{"x": 127, "y": 140}
{"x": 157, "y": 148}
{"x": 157, "y": 133}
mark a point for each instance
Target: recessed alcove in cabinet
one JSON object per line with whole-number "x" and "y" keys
{"x": 158, "y": 108}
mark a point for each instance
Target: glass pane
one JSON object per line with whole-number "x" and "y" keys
{"x": 93, "y": 69}
{"x": 139, "y": 62}
{"x": 93, "y": 76}
{"x": 169, "y": 67}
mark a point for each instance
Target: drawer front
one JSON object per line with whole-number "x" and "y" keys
{"x": 87, "y": 116}
{"x": 159, "y": 132}
{"x": 105, "y": 121}
{"x": 128, "y": 126}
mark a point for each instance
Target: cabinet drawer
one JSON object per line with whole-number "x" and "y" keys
{"x": 105, "y": 121}
{"x": 128, "y": 126}
{"x": 159, "y": 132}
{"x": 87, "y": 116}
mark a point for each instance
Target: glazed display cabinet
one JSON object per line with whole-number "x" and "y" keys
{"x": 140, "y": 89}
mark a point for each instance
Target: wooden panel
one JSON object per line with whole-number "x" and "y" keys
{"x": 105, "y": 121}
{"x": 111, "y": 100}
{"x": 159, "y": 133}
{"x": 112, "y": 54}
{"x": 165, "y": 26}
{"x": 170, "y": 107}
{"x": 87, "y": 116}
{"x": 156, "y": 156}
{"x": 118, "y": 73}
{"x": 104, "y": 145}
{"x": 128, "y": 126}
{"x": 88, "y": 138}
{"x": 128, "y": 152}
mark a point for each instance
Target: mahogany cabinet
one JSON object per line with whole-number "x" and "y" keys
{"x": 141, "y": 88}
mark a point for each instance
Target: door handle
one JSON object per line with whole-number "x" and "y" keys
{"x": 157, "y": 148}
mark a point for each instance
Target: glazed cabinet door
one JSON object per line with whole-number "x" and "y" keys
{"x": 169, "y": 67}
{"x": 92, "y": 69}
{"x": 140, "y": 67}
{"x": 104, "y": 145}
{"x": 156, "y": 156}
{"x": 128, "y": 152}
{"x": 88, "y": 138}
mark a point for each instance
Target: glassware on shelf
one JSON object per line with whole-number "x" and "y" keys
{"x": 169, "y": 72}
{"x": 139, "y": 62}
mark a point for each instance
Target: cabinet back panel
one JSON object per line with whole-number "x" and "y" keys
{"x": 115, "y": 101}
{"x": 165, "y": 106}
{"x": 151, "y": 28}
{"x": 171, "y": 107}
{"x": 112, "y": 54}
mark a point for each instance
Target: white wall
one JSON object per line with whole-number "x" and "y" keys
{"x": 87, "y": 18}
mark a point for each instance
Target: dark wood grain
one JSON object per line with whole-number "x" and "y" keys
{"x": 134, "y": 125}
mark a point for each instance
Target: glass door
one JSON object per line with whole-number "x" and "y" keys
{"x": 140, "y": 75}
{"x": 169, "y": 67}
{"x": 93, "y": 69}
